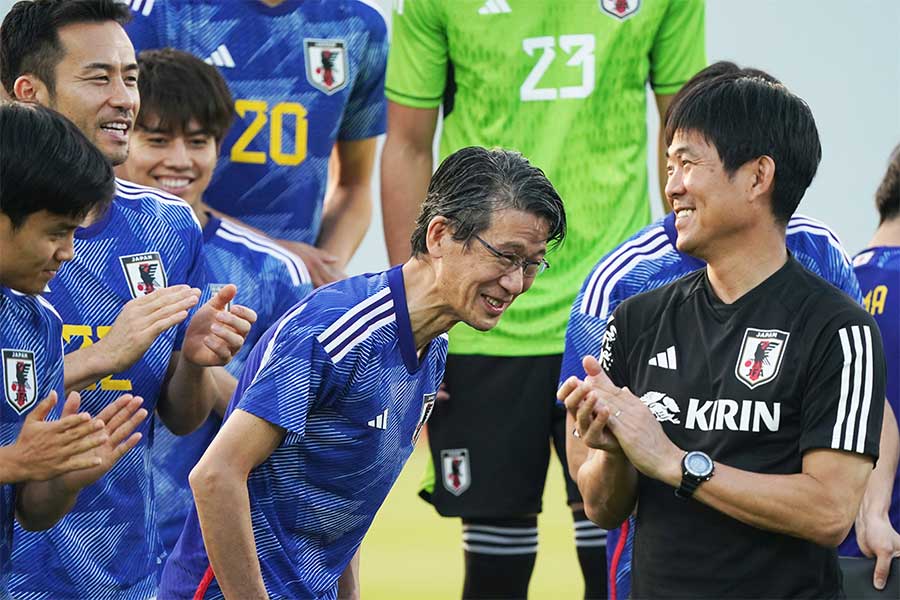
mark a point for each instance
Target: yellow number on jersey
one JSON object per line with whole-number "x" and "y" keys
{"x": 261, "y": 116}
{"x": 875, "y": 299}
{"x": 86, "y": 332}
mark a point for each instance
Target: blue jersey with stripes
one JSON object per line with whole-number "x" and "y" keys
{"x": 340, "y": 374}
{"x": 304, "y": 74}
{"x": 878, "y": 270}
{"x": 649, "y": 260}
{"x": 31, "y": 351}
{"x": 270, "y": 280}
{"x": 108, "y": 545}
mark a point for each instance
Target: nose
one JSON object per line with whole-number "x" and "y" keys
{"x": 513, "y": 281}
{"x": 177, "y": 157}
{"x": 122, "y": 95}
{"x": 674, "y": 186}
{"x": 66, "y": 250}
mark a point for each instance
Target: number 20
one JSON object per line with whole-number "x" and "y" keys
{"x": 583, "y": 56}
{"x": 260, "y": 108}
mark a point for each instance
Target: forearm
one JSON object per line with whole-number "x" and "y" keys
{"x": 877, "y": 497}
{"x": 85, "y": 367}
{"x": 40, "y": 504}
{"x": 345, "y": 220}
{"x": 608, "y": 486}
{"x": 189, "y": 395}
{"x": 12, "y": 468}
{"x": 226, "y": 384}
{"x": 576, "y": 451}
{"x": 228, "y": 533}
{"x": 348, "y": 583}
{"x": 405, "y": 172}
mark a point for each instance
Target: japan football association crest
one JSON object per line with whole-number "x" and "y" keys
{"x": 144, "y": 273}
{"x": 326, "y": 64}
{"x": 19, "y": 379}
{"x": 760, "y": 357}
{"x": 455, "y": 470}
{"x": 427, "y": 409}
{"x": 620, "y": 9}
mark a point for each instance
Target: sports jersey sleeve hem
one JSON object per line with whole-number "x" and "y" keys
{"x": 869, "y": 450}
{"x": 412, "y": 101}
{"x": 667, "y": 88}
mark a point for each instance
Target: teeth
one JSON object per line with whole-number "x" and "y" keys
{"x": 119, "y": 126}
{"x": 171, "y": 182}
{"x": 684, "y": 212}
{"x": 493, "y": 302}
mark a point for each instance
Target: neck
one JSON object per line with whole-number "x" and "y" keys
{"x": 271, "y": 3}
{"x": 201, "y": 210}
{"x": 735, "y": 271}
{"x": 887, "y": 234}
{"x": 428, "y": 314}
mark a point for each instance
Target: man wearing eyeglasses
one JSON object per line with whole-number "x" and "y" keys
{"x": 334, "y": 396}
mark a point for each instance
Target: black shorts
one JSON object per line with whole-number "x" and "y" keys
{"x": 490, "y": 442}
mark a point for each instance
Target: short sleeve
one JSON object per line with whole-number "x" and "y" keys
{"x": 613, "y": 353}
{"x": 197, "y": 277}
{"x": 366, "y": 113}
{"x": 843, "y": 403}
{"x": 292, "y": 374}
{"x": 417, "y": 64}
{"x": 679, "y": 49}
{"x": 846, "y": 280}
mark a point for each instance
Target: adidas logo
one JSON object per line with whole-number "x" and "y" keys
{"x": 665, "y": 360}
{"x": 144, "y": 6}
{"x": 221, "y": 58}
{"x": 379, "y": 422}
{"x": 494, "y": 7}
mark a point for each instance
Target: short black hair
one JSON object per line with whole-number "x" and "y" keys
{"x": 749, "y": 114}
{"x": 176, "y": 87}
{"x": 887, "y": 198}
{"x": 473, "y": 183}
{"x": 46, "y": 163}
{"x": 29, "y": 36}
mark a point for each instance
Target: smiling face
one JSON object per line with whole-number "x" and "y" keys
{"x": 710, "y": 205}
{"x": 96, "y": 85}
{"x": 31, "y": 254}
{"x": 478, "y": 286}
{"x": 180, "y": 163}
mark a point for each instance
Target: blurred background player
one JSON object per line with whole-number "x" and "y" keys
{"x": 565, "y": 84}
{"x": 878, "y": 269}
{"x": 135, "y": 276}
{"x": 186, "y": 110}
{"x": 52, "y": 178}
{"x": 334, "y": 397}
{"x": 647, "y": 260}
{"x": 308, "y": 77}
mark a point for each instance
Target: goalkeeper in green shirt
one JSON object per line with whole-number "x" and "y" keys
{"x": 564, "y": 83}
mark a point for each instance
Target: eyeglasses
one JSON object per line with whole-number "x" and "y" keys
{"x": 510, "y": 262}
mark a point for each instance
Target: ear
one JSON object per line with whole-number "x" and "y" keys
{"x": 438, "y": 236}
{"x": 763, "y": 176}
{"x": 29, "y": 88}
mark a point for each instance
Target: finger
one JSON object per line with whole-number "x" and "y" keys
{"x": 240, "y": 319}
{"x": 882, "y": 570}
{"x": 110, "y": 410}
{"x": 585, "y": 413}
{"x": 83, "y": 460}
{"x": 575, "y": 397}
{"x": 591, "y": 365}
{"x": 40, "y": 412}
{"x": 127, "y": 427}
{"x": 87, "y": 442}
{"x": 166, "y": 310}
{"x": 73, "y": 402}
{"x": 233, "y": 341}
{"x": 122, "y": 416}
{"x": 442, "y": 395}
{"x": 566, "y": 388}
{"x": 218, "y": 346}
{"x": 225, "y": 295}
{"x": 326, "y": 257}
{"x": 120, "y": 450}
{"x": 161, "y": 297}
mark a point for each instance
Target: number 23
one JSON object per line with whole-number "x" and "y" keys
{"x": 579, "y": 47}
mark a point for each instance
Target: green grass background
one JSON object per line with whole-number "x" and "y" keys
{"x": 412, "y": 553}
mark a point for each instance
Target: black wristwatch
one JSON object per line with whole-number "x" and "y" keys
{"x": 696, "y": 467}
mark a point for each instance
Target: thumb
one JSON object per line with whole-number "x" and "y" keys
{"x": 594, "y": 370}
{"x": 882, "y": 569}
{"x": 43, "y": 408}
{"x": 225, "y": 295}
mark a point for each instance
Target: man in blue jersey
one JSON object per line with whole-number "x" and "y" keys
{"x": 308, "y": 77}
{"x": 52, "y": 177}
{"x": 333, "y": 398}
{"x": 649, "y": 260}
{"x": 124, "y": 301}
{"x": 878, "y": 270}
{"x": 186, "y": 110}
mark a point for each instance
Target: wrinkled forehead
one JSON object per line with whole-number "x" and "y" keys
{"x": 102, "y": 45}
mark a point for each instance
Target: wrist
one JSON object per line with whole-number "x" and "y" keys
{"x": 11, "y": 469}
{"x": 670, "y": 467}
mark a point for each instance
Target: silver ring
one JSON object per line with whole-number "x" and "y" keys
{"x": 575, "y": 433}
{"x": 618, "y": 412}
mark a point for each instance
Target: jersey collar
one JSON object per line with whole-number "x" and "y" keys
{"x": 404, "y": 327}
{"x": 212, "y": 226}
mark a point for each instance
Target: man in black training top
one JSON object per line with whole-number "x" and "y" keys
{"x": 766, "y": 423}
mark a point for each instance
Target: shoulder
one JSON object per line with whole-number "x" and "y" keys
{"x": 153, "y": 202}
{"x": 371, "y": 12}
{"x": 817, "y": 301}
{"x": 805, "y": 232}
{"x": 647, "y": 307}
{"x": 257, "y": 250}
{"x": 880, "y": 259}
{"x": 630, "y": 264}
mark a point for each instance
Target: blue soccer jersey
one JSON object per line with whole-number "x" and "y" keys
{"x": 304, "y": 74}
{"x": 878, "y": 270}
{"x": 340, "y": 374}
{"x": 108, "y": 545}
{"x": 270, "y": 280}
{"x": 31, "y": 351}
{"x": 649, "y": 260}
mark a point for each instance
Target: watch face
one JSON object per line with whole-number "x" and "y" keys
{"x": 698, "y": 464}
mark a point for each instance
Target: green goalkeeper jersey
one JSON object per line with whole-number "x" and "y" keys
{"x": 564, "y": 83}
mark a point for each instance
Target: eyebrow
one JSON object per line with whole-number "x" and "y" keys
{"x": 109, "y": 67}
